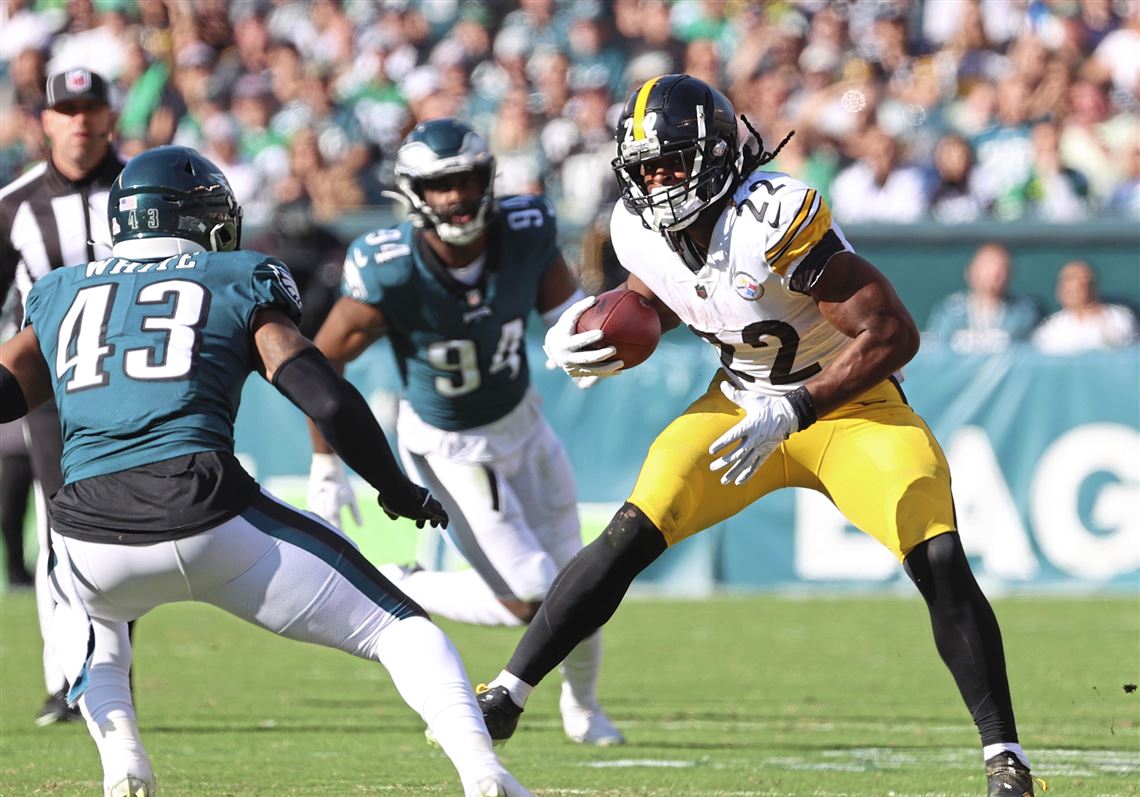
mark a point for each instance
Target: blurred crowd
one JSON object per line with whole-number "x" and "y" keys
{"x": 952, "y": 110}
{"x": 987, "y": 317}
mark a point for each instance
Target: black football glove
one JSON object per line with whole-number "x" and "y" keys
{"x": 415, "y": 503}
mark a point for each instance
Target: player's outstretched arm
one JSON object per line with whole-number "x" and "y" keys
{"x": 295, "y": 367}
{"x": 25, "y": 382}
{"x": 859, "y": 301}
{"x": 349, "y": 329}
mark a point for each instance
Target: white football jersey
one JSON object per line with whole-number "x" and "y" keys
{"x": 750, "y": 298}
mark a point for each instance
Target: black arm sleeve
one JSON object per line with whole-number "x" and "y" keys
{"x": 13, "y": 405}
{"x": 342, "y": 416}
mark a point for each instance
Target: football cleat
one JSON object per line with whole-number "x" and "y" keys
{"x": 1008, "y": 777}
{"x": 500, "y": 712}
{"x": 588, "y": 725}
{"x": 55, "y": 709}
{"x": 132, "y": 786}
{"x": 503, "y": 785}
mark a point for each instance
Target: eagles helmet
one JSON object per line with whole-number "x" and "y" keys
{"x": 439, "y": 148}
{"x": 174, "y": 192}
{"x": 677, "y": 115}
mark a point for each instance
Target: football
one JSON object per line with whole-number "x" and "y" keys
{"x": 628, "y": 321}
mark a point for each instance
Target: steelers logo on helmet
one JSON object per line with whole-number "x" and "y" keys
{"x": 682, "y": 125}
{"x": 434, "y": 152}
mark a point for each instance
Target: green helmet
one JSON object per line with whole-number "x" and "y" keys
{"x": 174, "y": 192}
{"x": 439, "y": 148}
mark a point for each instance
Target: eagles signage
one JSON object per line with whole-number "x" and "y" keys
{"x": 1044, "y": 455}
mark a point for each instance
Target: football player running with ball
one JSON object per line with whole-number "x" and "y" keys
{"x": 146, "y": 352}
{"x": 811, "y": 337}
{"x": 452, "y": 287}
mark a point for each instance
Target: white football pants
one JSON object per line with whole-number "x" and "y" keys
{"x": 281, "y": 569}
{"x": 514, "y": 519}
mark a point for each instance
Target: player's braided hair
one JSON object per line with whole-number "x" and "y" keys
{"x": 754, "y": 159}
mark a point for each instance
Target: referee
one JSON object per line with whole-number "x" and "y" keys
{"x": 55, "y": 215}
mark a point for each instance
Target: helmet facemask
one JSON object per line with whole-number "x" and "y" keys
{"x": 709, "y": 161}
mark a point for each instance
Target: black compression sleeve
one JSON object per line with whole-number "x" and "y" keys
{"x": 587, "y": 593}
{"x": 342, "y": 416}
{"x": 13, "y": 405}
{"x": 966, "y": 633}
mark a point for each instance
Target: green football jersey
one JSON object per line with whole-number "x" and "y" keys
{"x": 148, "y": 358}
{"x": 459, "y": 348}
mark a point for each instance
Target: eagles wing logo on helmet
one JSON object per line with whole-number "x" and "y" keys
{"x": 440, "y": 148}
{"x": 677, "y": 116}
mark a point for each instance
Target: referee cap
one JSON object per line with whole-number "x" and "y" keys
{"x": 76, "y": 84}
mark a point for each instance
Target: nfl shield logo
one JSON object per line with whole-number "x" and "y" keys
{"x": 701, "y": 292}
{"x": 77, "y": 81}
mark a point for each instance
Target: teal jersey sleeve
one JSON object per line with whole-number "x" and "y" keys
{"x": 272, "y": 286}
{"x": 373, "y": 261}
{"x": 532, "y": 225}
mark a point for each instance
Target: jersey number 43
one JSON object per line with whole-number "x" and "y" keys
{"x": 83, "y": 347}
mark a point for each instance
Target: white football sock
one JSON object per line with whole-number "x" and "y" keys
{"x": 430, "y": 677}
{"x": 990, "y": 750}
{"x": 121, "y": 751}
{"x": 580, "y": 670}
{"x": 518, "y": 689}
{"x": 462, "y": 596}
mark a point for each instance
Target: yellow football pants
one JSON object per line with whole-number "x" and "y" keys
{"x": 873, "y": 457}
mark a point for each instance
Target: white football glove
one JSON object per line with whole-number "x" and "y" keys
{"x": 329, "y": 490}
{"x": 569, "y": 350}
{"x": 767, "y": 422}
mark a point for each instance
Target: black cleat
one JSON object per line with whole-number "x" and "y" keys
{"x": 1008, "y": 777}
{"x": 56, "y": 710}
{"x": 500, "y": 712}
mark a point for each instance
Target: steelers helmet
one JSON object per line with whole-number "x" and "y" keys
{"x": 440, "y": 148}
{"x": 682, "y": 116}
{"x": 174, "y": 192}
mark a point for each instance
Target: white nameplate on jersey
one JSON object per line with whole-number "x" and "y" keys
{"x": 747, "y": 286}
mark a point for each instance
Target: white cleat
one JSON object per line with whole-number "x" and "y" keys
{"x": 588, "y": 725}
{"x": 503, "y": 785}
{"x": 132, "y": 786}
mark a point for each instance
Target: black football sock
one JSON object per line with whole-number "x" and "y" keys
{"x": 966, "y": 633}
{"x": 586, "y": 593}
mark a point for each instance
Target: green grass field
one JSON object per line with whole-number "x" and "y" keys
{"x": 749, "y": 696}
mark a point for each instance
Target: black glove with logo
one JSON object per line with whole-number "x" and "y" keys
{"x": 415, "y": 503}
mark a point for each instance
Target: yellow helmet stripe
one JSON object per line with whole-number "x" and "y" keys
{"x": 639, "y": 109}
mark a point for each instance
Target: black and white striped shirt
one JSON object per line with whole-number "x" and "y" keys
{"x": 48, "y": 221}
